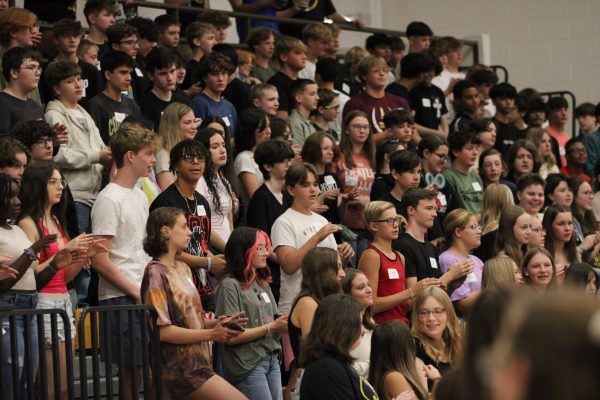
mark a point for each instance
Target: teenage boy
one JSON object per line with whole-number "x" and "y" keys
{"x": 450, "y": 75}
{"x": 324, "y": 117}
{"x": 576, "y": 159}
{"x": 67, "y": 34}
{"x": 161, "y": 70}
{"x": 237, "y": 92}
{"x": 110, "y": 107}
{"x": 400, "y": 124}
{"x": 290, "y": 53}
{"x": 317, "y": 37}
{"x": 463, "y": 153}
{"x": 584, "y": 114}
{"x": 214, "y": 71}
{"x": 100, "y": 15}
{"x": 411, "y": 74}
{"x": 380, "y": 45}
{"x": 265, "y": 97}
{"x": 261, "y": 41}
{"x": 200, "y": 37}
{"x": 418, "y": 207}
{"x": 169, "y": 31}
{"x": 503, "y": 96}
{"x": 485, "y": 78}
{"x": 592, "y": 145}
{"x": 220, "y": 21}
{"x": 374, "y": 101}
{"x": 119, "y": 217}
{"x": 419, "y": 36}
{"x": 147, "y": 36}
{"x": 14, "y": 157}
{"x": 466, "y": 105}
{"x": 306, "y": 100}
{"x": 405, "y": 168}
{"x": 22, "y": 70}
{"x": 557, "y": 119}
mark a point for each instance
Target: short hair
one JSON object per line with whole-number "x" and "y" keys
{"x": 571, "y": 142}
{"x": 556, "y": 102}
{"x": 397, "y": 117}
{"x": 521, "y": 104}
{"x": 278, "y": 126}
{"x": 214, "y": 63}
{"x": 299, "y": 86}
{"x": 328, "y": 69}
{"x": 369, "y": 62}
{"x": 397, "y": 44}
{"x": 287, "y": 44}
{"x": 412, "y": 197}
{"x": 453, "y": 43}
{"x": 84, "y": 46}
{"x": 418, "y": 28}
{"x": 14, "y": 18}
{"x": 461, "y": 86}
{"x": 316, "y": 31}
{"x": 585, "y": 109}
{"x": 271, "y": 152}
{"x": 482, "y": 75}
{"x": 375, "y": 209}
{"x": 160, "y": 58}
{"x": 404, "y": 161}
{"x": 326, "y": 96}
{"x": 597, "y": 111}
{"x": 244, "y": 56}
{"x": 215, "y": 17}
{"x": 228, "y": 51}
{"x": 66, "y": 27}
{"x": 503, "y": 91}
{"x": 187, "y": 147}
{"x": 196, "y": 30}
{"x": 538, "y": 104}
{"x": 298, "y": 174}
{"x": 58, "y": 71}
{"x": 115, "y": 59}
{"x": 145, "y": 27}
{"x": 430, "y": 143}
{"x": 9, "y": 148}
{"x": 458, "y": 140}
{"x": 130, "y": 137}
{"x": 376, "y": 40}
{"x": 97, "y": 6}
{"x": 164, "y": 21}
{"x": 413, "y": 65}
{"x": 439, "y": 47}
{"x": 13, "y": 58}
{"x": 527, "y": 180}
{"x": 259, "y": 90}
{"x": 29, "y": 132}
{"x": 116, "y": 33}
{"x": 257, "y": 35}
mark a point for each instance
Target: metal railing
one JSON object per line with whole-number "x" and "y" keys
{"x": 565, "y": 93}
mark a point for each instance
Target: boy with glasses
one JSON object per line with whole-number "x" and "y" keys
{"x": 577, "y": 157}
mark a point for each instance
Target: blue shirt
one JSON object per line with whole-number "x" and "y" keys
{"x": 204, "y": 106}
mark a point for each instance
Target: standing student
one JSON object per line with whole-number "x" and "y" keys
{"x": 147, "y": 35}
{"x": 200, "y": 37}
{"x": 561, "y": 240}
{"x": 169, "y": 31}
{"x": 184, "y": 333}
{"x": 466, "y": 105}
{"x": 317, "y": 37}
{"x": 400, "y": 124}
{"x": 305, "y": 101}
{"x": 261, "y": 41}
{"x": 100, "y": 15}
{"x": 265, "y": 97}
{"x": 503, "y": 96}
{"x": 324, "y": 117}
{"x": 530, "y": 194}
{"x": 539, "y": 270}
{"x": 514, "y": 233}
{"x": 557, "y": 119}
{"x": 522, "y": 159}
{"x": 384, "y": 181}
{"x": 419, "y": 36}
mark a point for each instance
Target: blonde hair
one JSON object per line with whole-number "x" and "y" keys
{"x": 456, "y": 219}
{"x": 130, "y": 137}
{"x": 287, "y": 44}
{"x": 535, "y": 135}
{"x": 14, "y": 18}
{"x": 498, "y": 271}
{"x": 375, "y": 209}
{"x": 353, "y": 57}
{"x": 496, "y": 197}
{"x": 317, "y": 31}
{"x": 453, "y": 333}
{"x": 244, "y": 56}
{"x": 169, "y": 131}
{"x": 368, "y": 63}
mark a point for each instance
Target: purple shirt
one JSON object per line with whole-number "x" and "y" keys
{"x": 473, "y": 281}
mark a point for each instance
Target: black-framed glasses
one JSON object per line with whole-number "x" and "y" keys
{"x": 44, "y": 141}
{"x": 426, "y": 313}
{"x": 442, "y": 157}
{"x": 191, "y": 157}
{"x": 578, "y": 151}
{"x": 390, "y": 221}
{"x": 33, "y": 68}
{"x": 131, "y": 42}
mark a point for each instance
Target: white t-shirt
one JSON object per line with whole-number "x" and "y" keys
{"x": 12, "y": 242}
{"x": 122, "y": 213}
{"x": 244, "y": 162}
{"x": 443, "y": 81}
{"x": 162, "y": 161}
{"x": 294, "y": 229}
{"x": 219, "y": 224}
{"x": 309, "y": 70}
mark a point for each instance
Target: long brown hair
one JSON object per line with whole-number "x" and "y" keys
{"x": 505, "y": 238}
{"x": 346, "y": 143}
{"x": 319, "y": 273}
{"x": 351, "y": 274}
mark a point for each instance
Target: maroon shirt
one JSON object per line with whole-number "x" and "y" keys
{"x": 375, "y": 108}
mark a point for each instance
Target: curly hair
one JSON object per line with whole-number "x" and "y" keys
{"x": 29, "y": 132}
{"x": 155, "y": 242}
{"x": 9, "y": 148}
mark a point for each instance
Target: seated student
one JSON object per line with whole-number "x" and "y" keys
{"x": 325, "y": 75}
{"x": 290, "y": 54}
{"x": 100, "y": 15}
{"x": 400, "y": 124}
{"x": 147, "y": 35}
{"x": 348, "y": 81}
{"x": 576, "y": 159}
{"x": 384, "y": 182}
{"x": 261, "y": 41}
{"x": 450, "y": 75}
{"x": 219, "y": 20}
{"x": 326, "y": 113}
{"x": 530, "y": 194}
{"x": 586, "y": 118}
{"x": 14, "y": 157}
{"x": 317, "y": 38}
{"x": 521, "y": 160}
{"x": 88, "y": 52}
{"x": 592, "y": 145}
{"x": 201, "y": 39}
{"x": 213, "y": 71}
{"x": 411, "y": 69}
{"x": 299, "y": 229}
{"x": 419, "y": 36}
{"x": 236, "y": 92}
{"x": 485, "y": 78}
{"x": 67, "y": 34}
{"x": 306, "y": 99}
{"x": 380, "y": 45}
{"x": 503, "y": 96}
{"x": 22, "y": 70}
{"x": 418, "y": 209}
{"x": 161, "y": 71}
{"x": 169, "y": 31}
{"x": 124, "y": 37}
{"x": 374, "y": 101}
{"x": 265, "y": 97}
{"x": 110, "y": 107}
{"x": 463, "y": 153}
{"x": 244, "y": 67}
{"x": 557, "y": 119}
{"x": 466, "y": 105}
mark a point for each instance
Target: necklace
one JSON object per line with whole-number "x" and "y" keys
{"x": 192, "y": 211}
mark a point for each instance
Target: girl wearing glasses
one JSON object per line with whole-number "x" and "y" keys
{"x": 582, "y": 208}
{"x": 437, "y": 330}
{"x": 384, "y": 267}
{"x": 462, "y": 235}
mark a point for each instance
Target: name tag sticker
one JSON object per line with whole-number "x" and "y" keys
{"x": 226, "y": 120}
{"x": 426, "y": 102}
{"x": 200, "y": 210}
{"x": 351, "y": 180}
{"x": 476, "y": 186}
{"x": 433, "y": 263}
{"x": 138, "y": 72}
{"x": 393, "y": 273}
{"x": 471, "y": 278}
{"x": 442, "y": 198}
{"x": 119, "y": 116}
{"x": 345, "y": 88}
{"x": 266, "y": 298}
{"x": 562, "y": 151}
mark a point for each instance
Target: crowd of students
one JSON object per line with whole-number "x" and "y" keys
{"x": 303, "y": 228}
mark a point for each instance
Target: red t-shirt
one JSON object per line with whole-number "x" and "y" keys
{"x": 583, "y": 176}
{"x": 392, "y": 280}
{"x": 562, "y": 138}
{"x": 360, "y": 177}
{"x": 375, "y": 108}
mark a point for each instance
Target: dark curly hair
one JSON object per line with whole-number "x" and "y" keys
{"x": 155, "y": 243}
{"x": 29, "y": 132}
{"x": 9, "y": 148}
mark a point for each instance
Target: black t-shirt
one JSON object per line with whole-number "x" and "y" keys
{"x": 108, "y": 114}
{"x": 506, "y": 135}
{"x": 421, "y": 258}
{"x": 239, "y": 94}
{"x": 52, "y": 10}
{"x": 316, "y": 11}
{"x": 152, "y": 107}
{"x": 399, "y": 90}
{"x": 382, "y": 185}
{"x": 328, "y": 181}
{"x": 191, "y": 70}
{"x": 434, "y": 232}
{"x": 486, "y": 250}
{"x": 283, "y": 82}
{"x": 92, "y": 83}
{"x": 460, "y": 123}
{"x": 13, "y": 110}
{"x": 429, "y": 104}
{"x": 426, "y": 358}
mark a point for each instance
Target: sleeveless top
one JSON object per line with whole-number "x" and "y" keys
{"x": 58, "y": 283}
{"x": 392, "y": 280}
{"x": 294, "y": 332}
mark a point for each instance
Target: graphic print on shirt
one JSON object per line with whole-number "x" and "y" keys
{"x": 198, "y": 246}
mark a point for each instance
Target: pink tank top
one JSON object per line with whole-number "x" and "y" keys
{"x": 57, "y": 284}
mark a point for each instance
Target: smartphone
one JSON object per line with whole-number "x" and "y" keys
{"x": 234, "y": 326}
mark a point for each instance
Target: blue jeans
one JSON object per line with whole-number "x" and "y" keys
{"x": 19, "y": 301}
{"x": 82, "y": 279}
{"x": 264, "y": 381}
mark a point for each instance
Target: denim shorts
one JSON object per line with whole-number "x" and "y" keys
{"x": 46, "y": 302}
